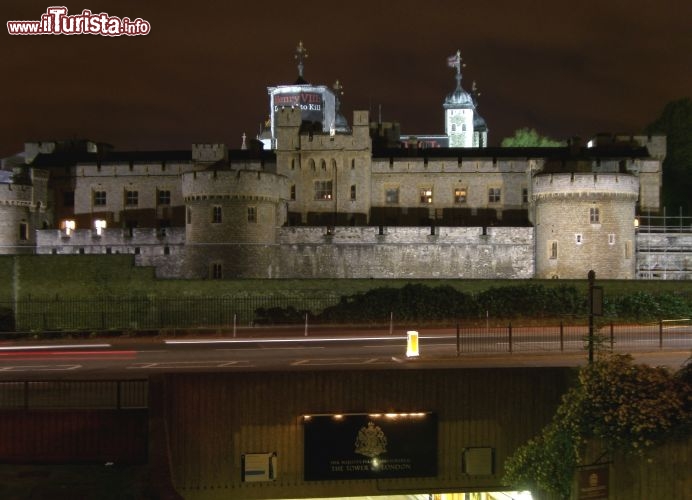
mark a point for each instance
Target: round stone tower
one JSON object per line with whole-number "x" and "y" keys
{"x": 22, "y": 209}
{"x": 585, "y": 221}
{"x": 231, "y": 222}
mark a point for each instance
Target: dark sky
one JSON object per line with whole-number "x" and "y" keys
{"x": 565, "y": 68}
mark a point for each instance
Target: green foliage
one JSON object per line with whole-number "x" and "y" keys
{"x": 416, "y": 302}
{"x": 544, "y": 463}
{"x": 629, "y": 407}
{"x": 642, "y": 305}
{"x": 531, "y": 300}
{"x": 529, "y": 138}
{"x": 676, "y": 123}
{"x": 413, "y": 302}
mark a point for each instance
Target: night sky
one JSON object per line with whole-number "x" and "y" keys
{"x": 566, "y": 69}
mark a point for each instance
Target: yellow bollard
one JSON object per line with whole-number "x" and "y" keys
{"x": 412, "y": 344}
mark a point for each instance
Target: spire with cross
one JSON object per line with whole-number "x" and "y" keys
{"x": 300, "y": 56}
{"x": 338, "y": 92}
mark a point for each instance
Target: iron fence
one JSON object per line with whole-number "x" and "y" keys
{"x": 142, "y": 313}
{"x": 664, "y": 334}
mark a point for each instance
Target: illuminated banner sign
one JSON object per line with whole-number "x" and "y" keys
{"x": 311, "y": 104}
{"x": 370, "y": 446}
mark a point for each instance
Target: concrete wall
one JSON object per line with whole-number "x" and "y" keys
{"x": 213, "y": 419}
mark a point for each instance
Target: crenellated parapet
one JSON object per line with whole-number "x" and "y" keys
{"x": 246, "y": 185}
{"x": 586, "y": 185}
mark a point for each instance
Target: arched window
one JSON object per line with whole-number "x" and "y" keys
{"x": 311, "y": 164}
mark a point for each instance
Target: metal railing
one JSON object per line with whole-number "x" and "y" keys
{"x": 142, "y": 313}
{"x": 664, "y": 334}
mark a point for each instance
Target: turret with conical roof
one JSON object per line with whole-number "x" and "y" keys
{"x": 460, "y": 113}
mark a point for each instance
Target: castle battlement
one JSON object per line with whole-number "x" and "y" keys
{"x": 209, "y": 153}
{"x": 572, "y": 184}
{"x": 234, "y": 184}
{"x": 16, "y": 195}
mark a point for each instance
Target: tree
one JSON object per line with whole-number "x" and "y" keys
{"x": 629, "y": 407}
{"x": 530, "y": 138}
{"x": 676, "y": 123}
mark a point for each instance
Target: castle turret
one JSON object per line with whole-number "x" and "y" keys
{"x": 231, "y": 219}
{"x": 585, "y": 221}
{"x": 23, "y": 208}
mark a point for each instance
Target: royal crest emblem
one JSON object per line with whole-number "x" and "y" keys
{"x": 371, "y": 441}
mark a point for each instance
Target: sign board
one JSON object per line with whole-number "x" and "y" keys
{"x": 593, "y": 483}
{"x": 258, "y": 467}
{"x": 597, "y": 304}
{"x": 311, "y": 104}
{"x": 363, "y": 446}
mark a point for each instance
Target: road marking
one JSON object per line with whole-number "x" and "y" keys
{"x": 56, "y": 346}
{"x": 271, "y": 348}
{"x": 40, "y": 368}
{"x": 335, "y": 361}
{"x": 188, "y": 364}
{"x": 296, "y": 340}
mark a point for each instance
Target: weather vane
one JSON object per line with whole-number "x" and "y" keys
{"x": 455, "y": 62}
{"x": 300, "y": 56}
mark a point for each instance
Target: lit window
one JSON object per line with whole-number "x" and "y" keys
{"x": 553, "y": 249}
{"x": 426, "y": 195}
{"x": 100, "y": 225}
{"x": 460, "y": 195}
{"x": 68, "y": 226}
{"x": 216, "y": 215}
{"x": 163, "y": 197}
{"x": 252, "y": 214}
{"x": 323, "y": 190}
{"x": 594, "y": 215}
{"x": 494, "y": 195}
{"x": 131, "y": 198}
{"x": 99, "y": 198}
{"x": 391, "y": 195}
{"x": 353, "y": 191}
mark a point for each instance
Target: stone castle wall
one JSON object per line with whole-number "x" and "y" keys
{"x": 664, "y": 255}
{"x": 400, "y": 252}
